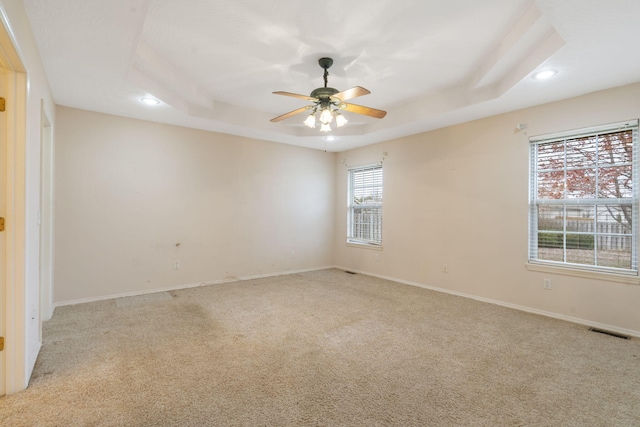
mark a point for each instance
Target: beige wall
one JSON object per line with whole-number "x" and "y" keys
{"x": 132, "y": 197}
{"x": 128, "y": 191}
{"x": 458, "y": 196}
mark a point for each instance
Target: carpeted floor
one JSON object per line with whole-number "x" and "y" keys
{"x": 324, "y": 348}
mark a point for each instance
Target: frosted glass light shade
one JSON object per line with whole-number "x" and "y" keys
{"x": 326, "y": 116}
{"x": 310, "y": 121}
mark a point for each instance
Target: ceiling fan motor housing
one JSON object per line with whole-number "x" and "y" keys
{"x": 323, "y": 92}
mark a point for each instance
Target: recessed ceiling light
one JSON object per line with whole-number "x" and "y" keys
{"x": 330, "y": 138}
{"x": 544, "y": 74}
{"x": 150, "y": 101}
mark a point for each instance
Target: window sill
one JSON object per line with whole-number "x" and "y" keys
{"x": 364, "y": 246}
{"x": 588, "y": 274}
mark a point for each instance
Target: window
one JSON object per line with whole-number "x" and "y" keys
{"x": 365, "y": 205}
{"x": 583, "y": 199}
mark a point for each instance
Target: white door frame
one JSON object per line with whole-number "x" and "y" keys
{"x": 15, "y": 229}
{"x": 45, "y": 218}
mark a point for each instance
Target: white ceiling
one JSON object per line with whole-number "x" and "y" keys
{"x": 214, "y": 64}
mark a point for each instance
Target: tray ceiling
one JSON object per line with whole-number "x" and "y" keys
{"x": 215, "y": 64}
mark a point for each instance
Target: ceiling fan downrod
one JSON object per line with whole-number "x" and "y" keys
{"x": 324, "y": 92}
{"x": 325, "y": 63}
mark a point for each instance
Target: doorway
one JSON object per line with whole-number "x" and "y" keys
{"x": 13, "y": 88}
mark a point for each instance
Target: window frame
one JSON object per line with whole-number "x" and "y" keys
{"x": 375, "y": 234}
{"x": 564, "y": 267}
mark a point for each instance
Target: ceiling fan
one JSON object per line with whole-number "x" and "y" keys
{"x": 328, "y": 102}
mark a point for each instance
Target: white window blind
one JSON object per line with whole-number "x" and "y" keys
{"x": 583, "y": 199}
{"x": 365, "y": 205}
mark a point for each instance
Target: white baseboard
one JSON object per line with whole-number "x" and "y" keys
{"x": 571, "y": 319}
{"x": 186, "y": 286}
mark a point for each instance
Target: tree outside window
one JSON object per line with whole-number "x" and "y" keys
{"x": 583, "y": 201}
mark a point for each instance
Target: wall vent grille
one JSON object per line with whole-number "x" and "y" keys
{"x": 612, "y": 334}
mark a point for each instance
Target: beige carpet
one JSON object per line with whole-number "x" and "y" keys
{"x": 323, "y": 348}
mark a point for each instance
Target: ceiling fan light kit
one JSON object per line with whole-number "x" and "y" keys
{"x": 327, "y": 103}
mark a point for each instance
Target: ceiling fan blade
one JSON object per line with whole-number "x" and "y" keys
{"x": 354, "y": 92}
{"x": 367, "y": 111}
{"x": 295, "y": 95}
{"x": 291, "y": 113}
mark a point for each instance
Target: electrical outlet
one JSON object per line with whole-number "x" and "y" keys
{"x": 376, "y": 257}
{"x": 176, "y": 265}
{"x": 292, "y": 254}
{"x": 445, "y": 268}
{"x": 547, "y": 284}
